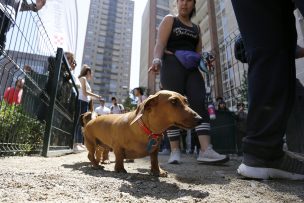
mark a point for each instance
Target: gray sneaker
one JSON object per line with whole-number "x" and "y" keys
{"x": 211, "y": 157}
{"x": 290, "y": 167}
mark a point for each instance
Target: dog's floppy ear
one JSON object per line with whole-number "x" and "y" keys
{"x": 145, "y": 106}
{"x": 85, "y": 118}
{"x": 81, "y": 120}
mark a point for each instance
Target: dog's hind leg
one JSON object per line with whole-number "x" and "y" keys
{"x": 91, "y": 147}
{"x": 119, "y": 164}
{"x": 155, "y": 169}
{"x": 105, "y": 156}
{"x": 98, "y": 153}
{"x": 91, "y": 155}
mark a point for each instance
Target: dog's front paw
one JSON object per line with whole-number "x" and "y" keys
{"x": 159, "y": 173}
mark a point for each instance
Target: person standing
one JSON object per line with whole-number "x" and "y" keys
{"x": 116, "y": 108}
{"x": 139, "y": 93}
{"x": 13, "y": 95}
{"x": 102, "y": 109}
{"x": 222, "y": 106}
{"x": 177, "y": 54}
{"x": 269, "y": 34}
{"x": 85, "y": 94}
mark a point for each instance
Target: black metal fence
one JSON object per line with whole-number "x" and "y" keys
{"x": 37, "y": 92}
{"x": 233, "y": 74}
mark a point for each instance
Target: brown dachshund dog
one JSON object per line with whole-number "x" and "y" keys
{"x": 137, "y": 134}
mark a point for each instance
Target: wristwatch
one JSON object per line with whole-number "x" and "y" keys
{"x": 157, "y": 61}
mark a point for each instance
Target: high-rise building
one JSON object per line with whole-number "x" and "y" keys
{"x": 153, "y": 14}
{"x": 108, "y": 46}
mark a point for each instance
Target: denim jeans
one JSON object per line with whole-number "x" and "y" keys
{"x": 83, "y": 107}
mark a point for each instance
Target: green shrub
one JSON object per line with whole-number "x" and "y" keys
{"x": 19, "y": 132}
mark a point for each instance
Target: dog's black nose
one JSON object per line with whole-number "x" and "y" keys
{"x": 198, "y": 119}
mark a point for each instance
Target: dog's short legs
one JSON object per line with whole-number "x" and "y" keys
{"x": 98, "y": 154}
{"x": 105, "y": 156}
{"x": 91, "y": 155}
{"x": 155, "y": 169}
{"x": 119, "y": 164}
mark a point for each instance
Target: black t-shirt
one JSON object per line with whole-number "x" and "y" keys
{"x": 183, "y": 37}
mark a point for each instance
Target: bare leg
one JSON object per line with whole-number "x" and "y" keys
{"x": 204, "y": 142}
{"x": 174, "y": 145}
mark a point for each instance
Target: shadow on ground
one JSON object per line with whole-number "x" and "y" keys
{"x": 142, "y": 184}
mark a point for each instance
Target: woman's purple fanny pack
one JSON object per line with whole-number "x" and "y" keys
{"x": 189, "y": 59}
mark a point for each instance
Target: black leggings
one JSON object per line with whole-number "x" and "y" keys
{"x": 190, "y": 83}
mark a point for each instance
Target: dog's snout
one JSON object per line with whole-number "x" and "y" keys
{"x": 198, "y": 119}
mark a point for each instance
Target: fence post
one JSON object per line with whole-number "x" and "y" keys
{"x": 50, "y": 113}
{"x": 76, "y": 115}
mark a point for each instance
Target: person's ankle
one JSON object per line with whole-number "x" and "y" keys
{"x": 175, "y": 149}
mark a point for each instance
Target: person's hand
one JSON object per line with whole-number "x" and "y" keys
{"x": 156, "y": 65}
{"x": 40, "y": 4}
{"x": 154, "y": 68}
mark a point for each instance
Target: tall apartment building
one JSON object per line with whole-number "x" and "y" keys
{"x": 154, "y": 12}
{"x": 108, "y": 46}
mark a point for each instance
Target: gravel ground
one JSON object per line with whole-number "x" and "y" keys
{"x": 71, "y": 179}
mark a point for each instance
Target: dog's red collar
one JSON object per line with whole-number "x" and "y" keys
{"x": 154, "y": 139}
{"x": 147, "y": 131}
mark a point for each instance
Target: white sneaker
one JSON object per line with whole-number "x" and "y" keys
{"x": 175, "y": 157}
{"x": 83, "y": 146}
{"x": 78, "y": 148}
{"x": 290, "y": 167}
{"x": 164, "y": 152}
{"x": 212, "y": 157}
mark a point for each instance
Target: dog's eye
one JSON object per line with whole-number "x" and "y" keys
{"x": 174, "y": 101}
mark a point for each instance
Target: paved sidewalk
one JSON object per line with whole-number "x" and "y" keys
{"x": 71, "y": 179}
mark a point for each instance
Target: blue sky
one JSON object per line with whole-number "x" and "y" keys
{"x": 139, "y": 7}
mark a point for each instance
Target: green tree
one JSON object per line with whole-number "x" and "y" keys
{"x": 129, "y": 103}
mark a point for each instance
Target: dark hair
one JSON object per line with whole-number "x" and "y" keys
{"x": 113, "y": 98}
{"x": 141, "y": 91}
{"x": 19, "y": 79}
{"x": 84, "y": 71}
{"x": 219, "y": 99}
{"x": 193, "y": 12}
{"x": 240, "y": 104}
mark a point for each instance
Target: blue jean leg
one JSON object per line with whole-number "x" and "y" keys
{"x": 83, "y": 105}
